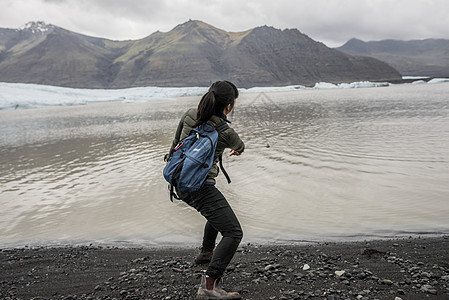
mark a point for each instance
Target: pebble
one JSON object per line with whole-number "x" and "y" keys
{"x": 429, "y": 289}
{"x": 425, "y": 274}
{"x": 387, "y": 282}
{"x": 334, "y": 276}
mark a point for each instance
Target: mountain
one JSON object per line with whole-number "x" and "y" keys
{"x": 191, "y": 54}
{"x": 47, "y": 54}
{"x": 429, "y": 57}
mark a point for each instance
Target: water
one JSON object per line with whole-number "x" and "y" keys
{"x": 319, "y": 165}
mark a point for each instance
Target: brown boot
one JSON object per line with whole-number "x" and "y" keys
{"x": 215, "y": 292}
{"x": 204, "y": 256}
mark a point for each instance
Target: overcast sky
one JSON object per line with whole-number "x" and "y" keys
{"x": 332, "y": 22}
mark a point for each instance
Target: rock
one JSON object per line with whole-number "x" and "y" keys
{"x": 425, "y": 274}
{"x": 339, "y": 273}
{"x": 322, "y": 275}
{"x": 429, "y": 289}
{"x": 387, "y": 282}
{"x": 306, "y": 267}
{"x": 230, "y": 268}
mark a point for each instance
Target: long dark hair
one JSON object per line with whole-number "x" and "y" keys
{"x": 219, "y": 96}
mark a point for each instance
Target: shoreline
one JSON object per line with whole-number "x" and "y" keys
{"x": 407, "y": 268}
{"x": 145, "y": 244}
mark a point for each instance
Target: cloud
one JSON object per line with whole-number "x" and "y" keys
{"x": 330, "y": 21}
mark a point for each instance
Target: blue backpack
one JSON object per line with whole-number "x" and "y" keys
{"x": 191, "y": 160}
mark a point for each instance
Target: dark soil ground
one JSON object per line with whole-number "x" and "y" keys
{"x": 413, "y": 268}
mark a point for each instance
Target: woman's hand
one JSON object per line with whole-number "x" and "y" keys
{"x": 233, "y": 152}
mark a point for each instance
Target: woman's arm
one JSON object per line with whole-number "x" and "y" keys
{"x": 234, "y": 142}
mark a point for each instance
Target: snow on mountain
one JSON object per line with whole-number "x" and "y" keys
{"x": 36, "y": 27}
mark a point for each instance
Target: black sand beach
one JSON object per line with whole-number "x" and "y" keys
{"x": 412, "y": 268}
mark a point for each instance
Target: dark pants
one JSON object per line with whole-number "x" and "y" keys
{"x": 220, "y": 218}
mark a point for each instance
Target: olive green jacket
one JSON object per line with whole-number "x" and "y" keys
{"x": 226, "y": 139}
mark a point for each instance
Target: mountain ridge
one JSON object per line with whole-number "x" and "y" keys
{"x": 191, "y": 54}
{"x": 427, "y": 57}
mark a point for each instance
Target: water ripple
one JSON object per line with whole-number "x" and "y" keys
{"x": 317, "y": 164}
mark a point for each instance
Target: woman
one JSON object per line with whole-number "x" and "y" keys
{"x": 213, "y": 109}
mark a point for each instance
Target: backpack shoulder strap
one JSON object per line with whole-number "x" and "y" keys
{"x": 220, "y": 128}
{"x": 220, "y": 161}
{"x": 173, "y": 193}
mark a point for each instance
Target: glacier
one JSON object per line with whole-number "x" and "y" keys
{"x": 353, "y": 85}
{"x": 25, "y": 96}
{"x": 438, "y": 80}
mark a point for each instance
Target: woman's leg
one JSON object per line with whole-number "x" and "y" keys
{"x": 225, "y": 221}
{"x": 211, "y": 203}
{"x": 209, "y": 237}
